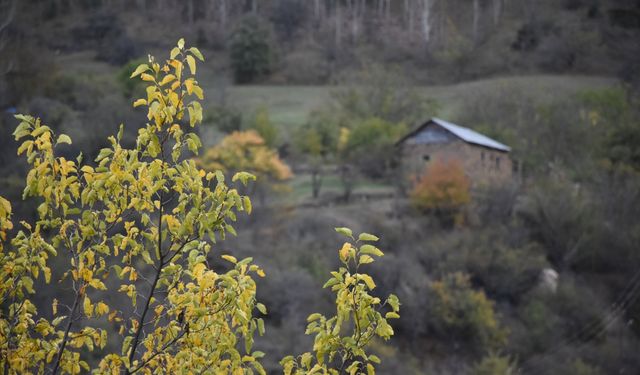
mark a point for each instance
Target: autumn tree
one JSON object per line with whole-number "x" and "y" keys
{"x": 443, "y": 189}
{"x": 362, "y": 316}
{"x": 143, "y": 222}
{"x": 247, "y": 151}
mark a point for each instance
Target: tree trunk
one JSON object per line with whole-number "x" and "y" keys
{"x": 476, "y": 20}
{"x": 426, "y": 20}
{"x": 348, "y": 180}
{"x": 497, "y": 11}
{"x": 338, "y": 26}
{"x": 316, "y": 182}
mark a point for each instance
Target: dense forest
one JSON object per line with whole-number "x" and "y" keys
{"x": 537, "y": 275}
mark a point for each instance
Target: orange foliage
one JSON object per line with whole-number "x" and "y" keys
{"x": 443, "y": 186}
{"x": 246, "y": 151}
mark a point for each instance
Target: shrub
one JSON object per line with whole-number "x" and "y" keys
{"x": 457, "y": 312}
{"x": 265, "y": 128}
{"x": 227, "y": 120}
{"x": 370, "y": 146}
{"x": 494, "y": 364}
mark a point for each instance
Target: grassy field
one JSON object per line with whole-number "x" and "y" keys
{"x": 331, "y": 185}
{"x": 290, "y": 105}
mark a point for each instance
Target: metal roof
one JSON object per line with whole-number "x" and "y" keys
{"x": 463, "y": 133}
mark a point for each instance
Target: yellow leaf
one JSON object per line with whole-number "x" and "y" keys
{"x": 192, "y": 64}
{"x": 102, "y": 308}
{"x": 88, "y": 308}
{"x": 344, "y": 252}
{"x": 368, "y": 280}
{"x": 147, "y": 77}
{"x": 139, "y": 102}
{"x": 63, "y": 138}
{"x": 168, "y": 78}
{"x": 198, "y": 270}
{"x": 189, "y": 85}
{"x": 230, "y": 258}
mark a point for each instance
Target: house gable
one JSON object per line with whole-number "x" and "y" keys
{"x": 431, "y": 134}
{"x": 439, "y": 131}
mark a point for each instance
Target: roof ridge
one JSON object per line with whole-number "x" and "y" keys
{"x": 469, "y": 135}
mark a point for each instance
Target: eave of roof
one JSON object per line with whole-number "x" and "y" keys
{"x": 466, "y": 134}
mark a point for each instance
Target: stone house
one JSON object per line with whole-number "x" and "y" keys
{"x": 484, "y": 160}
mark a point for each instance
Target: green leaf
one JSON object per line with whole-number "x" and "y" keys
{"x": 367, "y": 237}
{"x": 139, "y": 70}
{"x": 345, "y": 232}
{"x": 392, "y": 315}
{"x": 58, "y": 320}
{"x": 393, "y": 301}
{"x": 260, "y": 327}
{"x": 371, "y": 250}
{"x": 314, "y": 316}
{"x": 262, "y": 308}
{"x": 63, "y": 138}
{"x": 22, "y": 130}
{"x": 196, "y": 52}
{"x": 174, "y": 52}
{"x": 365, "y": 259}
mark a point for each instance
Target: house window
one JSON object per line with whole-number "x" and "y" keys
{"x": 426, "y": 157}
{"x": 498, "y": 163}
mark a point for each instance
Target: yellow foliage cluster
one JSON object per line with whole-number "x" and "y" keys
{"x": 246, "y": 151}
{"x": 443, "y": 186}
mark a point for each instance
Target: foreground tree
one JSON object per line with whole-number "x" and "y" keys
{"x": 143, "y": 222}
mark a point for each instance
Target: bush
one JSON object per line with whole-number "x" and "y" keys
{"x": 226, "y": 119}
{"x": 505, "y": 268}
{"x": 494, "y": 364}
{"x": 370, "y": 146}
{"x": 265, "y": 128}
{"x": 251, "y": 51}
{"x": 465, "y": 316}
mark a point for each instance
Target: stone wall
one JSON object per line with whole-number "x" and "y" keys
{"x": 483, "y": 166}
